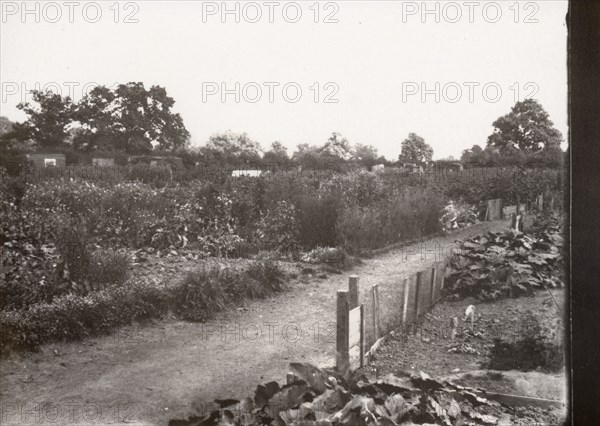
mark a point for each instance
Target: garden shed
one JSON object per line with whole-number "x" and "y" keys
{"x": 47, "y": 160}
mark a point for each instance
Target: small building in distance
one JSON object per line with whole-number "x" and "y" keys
{"x": 378, "y": 168}
{"x": 249, "y": 173}
{"x": 103, "y": 162}
{"x": 47, "y": 160}
{"x": 450, "y": 165}
{"x": 154, "y": 160}
{"x": 410, "y": 167}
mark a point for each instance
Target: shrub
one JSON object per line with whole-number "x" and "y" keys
{"x": 407, "y": 214}
{"x": 278, "y": 230}
{"x": 317, "y": 219}
{"x": 206, "y": 291}
{"x": 475, "y": 185}
{"x": 72, "y": 316}
{"x": 108, "y": 268}
{"x": 268, "y": 273}
{"x": 357, "y": 188}
{"x": 200, "y": 294}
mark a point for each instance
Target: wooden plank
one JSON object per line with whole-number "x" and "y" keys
{"x": 494, "y": 208}
{"x": 378, "y": 311}
{"x": 356, "y": 337}
{"x": 362, "y": 336}
{"x": 353, "y": 292}
{"x": 405, "y": 301}
{"x": 508, "y": 211}
{"x": 354, "y": 327}
{"x": 524, "y": 401}
{"x": 517, "y": 400}
{"x": 354, "y": 358}
{"x": 341, "y": 356}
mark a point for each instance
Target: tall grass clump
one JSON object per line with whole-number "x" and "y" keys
{"x": 410, "y": 214}
{"x": 197, "y": 297}
{"x": 206, "y": 291}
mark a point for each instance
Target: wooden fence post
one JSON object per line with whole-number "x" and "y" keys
{"x": 362, "y": 336}
{"x": 443, "y": 278}
{"x": 418, "y": 282}
{"x": 376, "y": 321}
{"x": 353, "y": 292}
{"x": 404, "y": 302}
{"x": 342, "y": 357}
{"x": 432, "y": 286}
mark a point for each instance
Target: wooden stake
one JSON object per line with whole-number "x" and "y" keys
{"x": 353, "y": 292}
{"x": 453, "y": 327}
{"x": 342, "y": 358}
{"x": 375, "y": 298}
{"x": 417, "y": 293}
{"x": 290, "y": 378}
{"x": 432, "y": 287}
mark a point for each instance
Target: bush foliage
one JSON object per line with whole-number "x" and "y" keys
{"x": 65, "y": 240}
{"x": 198, "y": 296}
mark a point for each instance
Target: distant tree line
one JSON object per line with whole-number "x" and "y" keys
{"x": 132, "y": 120}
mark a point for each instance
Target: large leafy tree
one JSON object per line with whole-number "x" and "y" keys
{"x": 366, "y": 154}
{"x": 231, "y": 147}
{"x": 277, "y": 154}
{"x": 527, "y": 127}
{"x": 48, "y": 121}
{"x": 414, "y": 149}
{"x": 337, "y": 147}
{"x": 307, "y": 155}
{"x": 12, "y": 151}
{"x": 5, "y": 126}
{"x": 130, "y": 118}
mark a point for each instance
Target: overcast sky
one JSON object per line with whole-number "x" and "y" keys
{"x": 374, "y": 61}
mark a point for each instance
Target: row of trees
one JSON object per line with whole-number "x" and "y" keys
{"x": 130, "y": 119}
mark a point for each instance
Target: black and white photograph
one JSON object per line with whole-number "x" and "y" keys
{"x": 309, "y": 213}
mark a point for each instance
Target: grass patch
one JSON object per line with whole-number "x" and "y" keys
{"x": 197, "y": 297}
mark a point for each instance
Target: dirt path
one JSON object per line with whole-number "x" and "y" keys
{"x": 149, "y": 374}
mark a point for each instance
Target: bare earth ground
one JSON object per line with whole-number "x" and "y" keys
{"x": 148, "y": 374}
{"x": 426, "y": 348}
